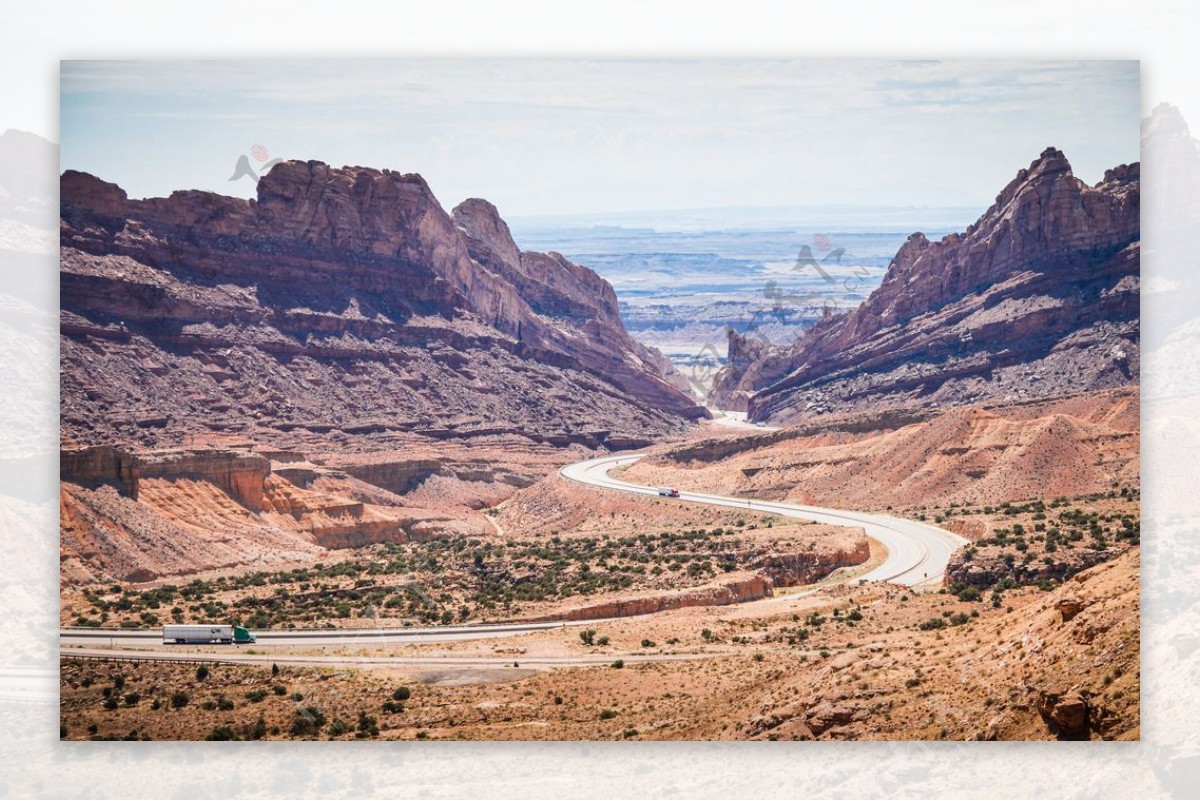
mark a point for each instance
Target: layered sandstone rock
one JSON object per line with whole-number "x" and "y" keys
{"x": 734, "y": 590}
{"x": 142, "y": 516}
{"x": 340, "y": 304}
{"x": 1038, "y": 297}
{"x": 238, "y": 473}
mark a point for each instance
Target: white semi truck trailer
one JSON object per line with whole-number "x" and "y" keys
{"x": 206, "y": 634}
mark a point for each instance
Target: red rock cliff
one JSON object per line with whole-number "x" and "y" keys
{"x": 1038, "y": 297}
{"x": 340, "y": 301}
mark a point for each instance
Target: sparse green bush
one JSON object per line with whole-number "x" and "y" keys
{"x": 221, "y": 733}
{"x": 307, "y": 720}
{"x": 367, "y": 726}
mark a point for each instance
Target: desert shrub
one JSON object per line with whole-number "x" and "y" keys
{"x": 202, "y": 673}
{"x": 367, "y": 726}
{"x": 402, "y": 694}
{"x": 259, "y": 729}
{"x": 608, "y": 714}
{"x": 307, "y": 720}
{"x": 254, "y": 696}
{"x": 179, "y": 700}
{"x": 620, "y": 663}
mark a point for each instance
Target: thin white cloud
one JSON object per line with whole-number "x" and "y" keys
{"x": 600, "y": 135}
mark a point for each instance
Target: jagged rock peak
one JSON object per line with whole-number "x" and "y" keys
{"x": 1122, "y": 174}
{"x": 481, "y": 221}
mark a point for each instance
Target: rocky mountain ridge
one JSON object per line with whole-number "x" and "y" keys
{"x": 341, "y": 306}
{"x": 1038, "y": 297}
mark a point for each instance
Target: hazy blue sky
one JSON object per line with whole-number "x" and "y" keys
{"x": 551, "y": 137}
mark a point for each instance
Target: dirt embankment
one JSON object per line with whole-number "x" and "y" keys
{"x": 731, "y": 590}
{"x": 986, "y": 453}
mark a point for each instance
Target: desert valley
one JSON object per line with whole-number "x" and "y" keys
{"x": 338, "y": 409}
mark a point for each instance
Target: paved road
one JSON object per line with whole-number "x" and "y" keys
{"x": 228, "y": 654}
{"x": 737, "y": 420}
{"x": 77, "y": 637}
{"x": 917, "y": 553}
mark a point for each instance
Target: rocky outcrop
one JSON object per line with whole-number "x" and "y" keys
{"x": 239, "y": 474}
{"x": 1038, "y": 297}
{"x": 1066, "y": 712}
{"x": 140, "y": 516}
{"x": 730, "y": 591}
{"x": 339, "y": 302}
{"x": 985, "y": 570}
{"x": 791, "y": 569}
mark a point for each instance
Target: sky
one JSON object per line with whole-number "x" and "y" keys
{"x": 548, "y": 138}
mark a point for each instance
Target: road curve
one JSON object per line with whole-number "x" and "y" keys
{"x": 917, "y": 553}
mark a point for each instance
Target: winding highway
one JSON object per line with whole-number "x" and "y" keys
{"x": 917, "y": 553}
